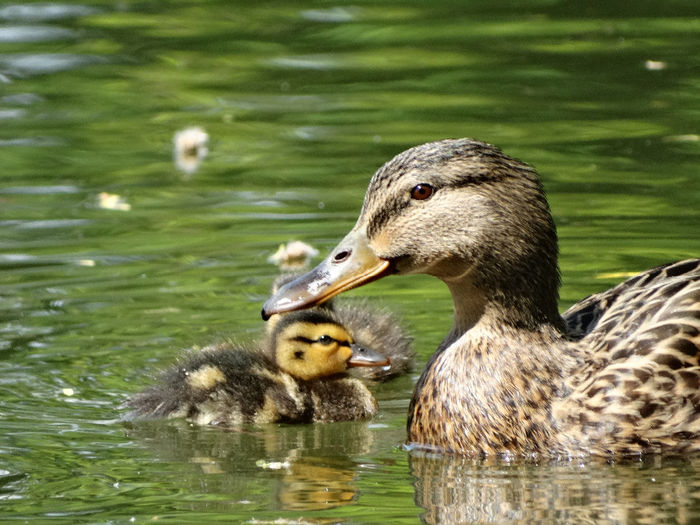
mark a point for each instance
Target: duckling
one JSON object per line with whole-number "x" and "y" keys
{"x": 618, "y": 375}
{"x": 371, "y": 327}
{"x": 304, "y": 382}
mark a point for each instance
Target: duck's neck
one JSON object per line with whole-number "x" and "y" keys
{"x": 472, "y": 307}
{"x": 490, "y": 391}
{"x": 490, "y": 385}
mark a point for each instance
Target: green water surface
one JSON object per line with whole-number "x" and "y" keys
{"x": 302, "y": 101}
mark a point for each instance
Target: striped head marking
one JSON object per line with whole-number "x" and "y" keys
{"x": 309, "y": 345}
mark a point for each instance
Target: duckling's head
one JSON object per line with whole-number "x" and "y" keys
{"x": 311, "y": 344}
{"x": 459, "y": 210}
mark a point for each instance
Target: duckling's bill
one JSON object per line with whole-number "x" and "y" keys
{"x": 351, "y": 264}
{"x": 362, "y": 356}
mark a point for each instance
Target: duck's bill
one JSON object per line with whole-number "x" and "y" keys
{"x": 362, "y": 356}
{"x": 351, "y": 264}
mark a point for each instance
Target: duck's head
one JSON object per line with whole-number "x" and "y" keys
{"x": 459, "y": 210}
{"x": 309, "y": 345}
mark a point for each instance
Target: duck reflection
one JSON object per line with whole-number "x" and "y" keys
{"x": 463, "y": 490}
{"x": 292, "y": 467}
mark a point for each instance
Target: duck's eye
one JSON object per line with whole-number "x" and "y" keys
{"x": 325, "y": 339}
{"x": 421, "y": 192}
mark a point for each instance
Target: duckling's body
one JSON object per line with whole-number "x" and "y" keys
{"x": 618, "y": 374}
{"x": 301, "y": 379}
{"x": 371, "y": 327}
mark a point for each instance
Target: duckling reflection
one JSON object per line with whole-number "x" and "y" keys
{"x": 299, "y": 378}
{"x": 371, "y": 327}
{"x": 459, "y": 489}
{"x": 316, "y": 483}
{"x": 292, "y": 467}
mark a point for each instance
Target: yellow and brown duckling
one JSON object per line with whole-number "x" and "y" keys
{"x": 620, "y": 374}
{"x": 300, "y": 379}
{"x": 371, "y": 327}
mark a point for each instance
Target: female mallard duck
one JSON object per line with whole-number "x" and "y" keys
{"x": 304, "y": 382}
{"x": 619, "y": 375}
{"x": 370, "y": 327}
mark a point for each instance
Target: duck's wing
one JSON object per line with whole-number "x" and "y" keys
{"x": 639, "y": 389}
{"x": 583, "y": 317}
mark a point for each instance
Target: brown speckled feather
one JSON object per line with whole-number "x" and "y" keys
{"x": 639, "y": 390}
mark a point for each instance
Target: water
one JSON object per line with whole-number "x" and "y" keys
{"x": 297, "y": 98}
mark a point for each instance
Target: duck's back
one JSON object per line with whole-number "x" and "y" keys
{"x": 639, "y": 384}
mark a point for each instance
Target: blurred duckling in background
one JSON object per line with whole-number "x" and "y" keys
{"x": 299, "y": 378}
{"x": 295, "y": 255}
{"x": 370, "y": 327}
{"x": 190, "y": 149}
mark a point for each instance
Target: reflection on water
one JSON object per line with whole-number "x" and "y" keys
{"x": 34, "y": 34}
{"x": 317, "y": 483}
{"x": 41, "y": 12}
{"x": 42, "y": 64}
{"x": 461, "y": 490}
{"x": 307, "y": 467}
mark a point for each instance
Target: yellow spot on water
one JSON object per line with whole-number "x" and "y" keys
{"x": 272, "y": 465}
{"x": 112, "y": 201}
{"x": 655, "y": 65}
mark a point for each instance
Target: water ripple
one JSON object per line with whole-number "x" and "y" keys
{"x": 331, "y": 15}
{"x": 7, "y": 114}
{"x": 42, "y": 12}
{"x": 49, "y": 223}
{"x": 45, "y": 63}
{"x": 10, "y": 34}
{"x": 32, "y": 141}
{"x": 316, "y": 62}
{"x": 41, "y": 190}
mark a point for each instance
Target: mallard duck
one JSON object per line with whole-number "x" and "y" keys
{"x": 370, "y": 327}
{"x": 304, "y": 382}
{"x": 619, "y": 375}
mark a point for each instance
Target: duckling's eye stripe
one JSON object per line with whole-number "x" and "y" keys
{"x": 302, "y": 339}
